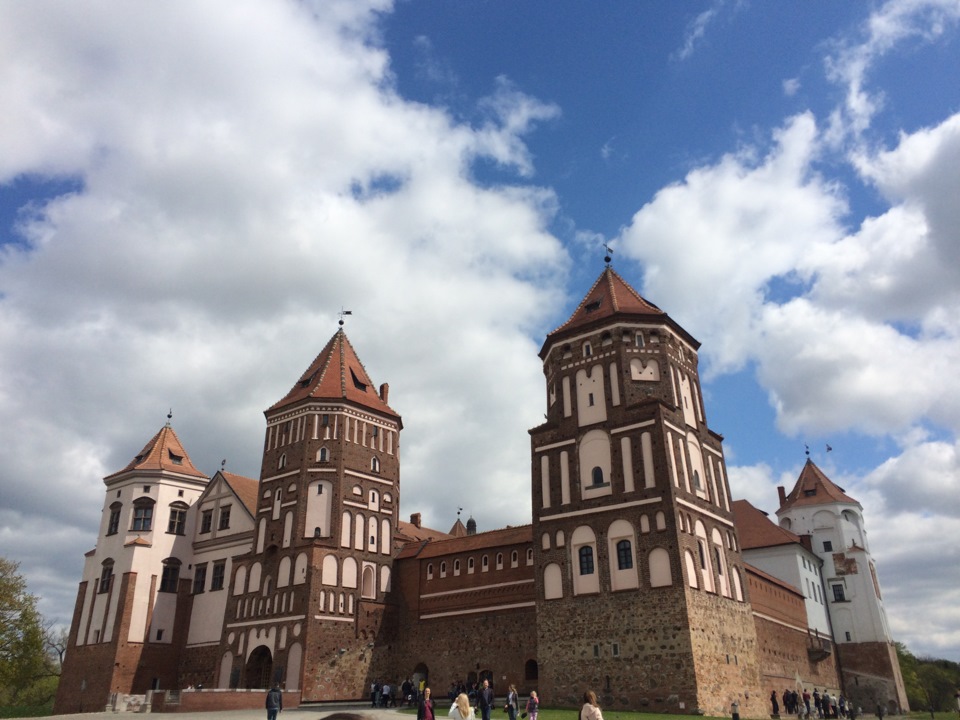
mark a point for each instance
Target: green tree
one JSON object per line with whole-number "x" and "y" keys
{"x": 26, "y": 668}
{"x": 916, "y": 695}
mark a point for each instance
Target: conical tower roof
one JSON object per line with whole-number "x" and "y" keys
{"x": 814, "y": 488}
{"x": 610, "y": 297}
{"x": 336, "y": 374}
{"x": 163, "y": 452}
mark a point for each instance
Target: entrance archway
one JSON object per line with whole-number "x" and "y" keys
{"x": 259, "y": 667}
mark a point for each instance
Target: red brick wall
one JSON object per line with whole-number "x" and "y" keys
{"x": 212, "y": 700}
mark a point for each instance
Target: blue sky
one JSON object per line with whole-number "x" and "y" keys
{"x": 189, "y": 195}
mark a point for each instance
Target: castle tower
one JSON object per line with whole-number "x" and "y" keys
{"x": 310, "y": 596}
{"x": 133, "y": 606}
{"x": 833, "y": 521}
{"x": 640, "y": 588}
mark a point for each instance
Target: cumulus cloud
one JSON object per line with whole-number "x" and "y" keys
{"x": 241, "y": 177}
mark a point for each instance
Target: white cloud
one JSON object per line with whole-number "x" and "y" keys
{"x": 244, "y": 176}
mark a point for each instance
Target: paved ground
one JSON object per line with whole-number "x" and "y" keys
{"x": 308, "y": 712}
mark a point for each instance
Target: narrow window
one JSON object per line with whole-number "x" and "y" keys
{"x": 624, "y": 556}
{"x": 171, "y": 575}
{"x": 206, "y": 521}
{"x": 838, "y": 595}
{"x": 105, "y": 575}
{"x": 219, "y": 572}
{"x": 199, "y": 579}
{"x": 586, "y": 560}
{"x": 113, "y": 525}
{"x": 597, "y": 474}
{"x": 827, "y": 546}
{"x": 177, "y": 523}
{"x": 224, "y": 518}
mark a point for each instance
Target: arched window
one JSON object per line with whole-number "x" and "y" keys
{"x": 470, "y": 565}
{"x": 529, "y": 556}
{"x": 142, "y": 515}
{"x": 106, "y": 574}
{"x": 443, "y": 568}
{"x": 456, "y": 568}
{"x": 514, "y": 559}
{"x": 375, "y": 464}
{"x": 484, "y": 563}
{"x": 113, "y": 524}
{"x": 323, "y": 455}
{"x": 171, "y": 575}
{"x": 429, "y": 571}
{"x": 499, "y": 561}
{"x": 597, "y": 475}
{"x": 282, "y": 462}
{"x": 624, "y": 555}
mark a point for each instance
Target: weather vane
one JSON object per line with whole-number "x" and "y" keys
{"x": 343, "y": 313}
{"x": 169, "y": 416}
{"x": 806, "y": 450}
{"x": 609, "y": 251}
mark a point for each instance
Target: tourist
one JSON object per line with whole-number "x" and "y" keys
{"x": 485, "y": 700}
{"x": 533, "y": 705}
{"x": 461, "y": 710}
{"x": 512, "y": 702}
{"x": 426, "y": 706}
{"x": 274, "y": 703}
{"x": 590, "y": 709}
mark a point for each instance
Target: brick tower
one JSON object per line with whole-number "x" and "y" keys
{"x": 133, "y": 606}
{"x": 310, "y": 595}
{"x": 640, "y": 589}
{"x": 821, "y": 511}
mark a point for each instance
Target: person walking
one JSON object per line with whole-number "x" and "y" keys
{"x": 426, "y": 706}
{"x": 274, "y": 703}
{"x": 461, "y": 710}
{"x": 590, "y": 709}
{"x": 512, "y": 702}
{"x": 533, "y": 706}
{"x": 485, "y": 700}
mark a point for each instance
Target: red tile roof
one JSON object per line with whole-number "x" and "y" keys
{"x": 408, "y": 532}
{"x": 610, "y": 296}
{"x": 336, "y": 374}
{"x": 163, "y": 452}
{"x": 815, "y": 488}
{"x": 756, "y": 530}
{"x": 470, "y": 543}
{"x": 771, "y": 579}
{"x": 247, "y": 489}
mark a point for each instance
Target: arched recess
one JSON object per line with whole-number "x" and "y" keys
{"x": 697, "y": 471}
{"x": 824, "y": 520}
{"x": 254, "y": 584}
{"x": 240, "y": 580}
{"x": 360, "y": 527}
{"x": 595, "y": 464}
{"x": 706, "y": 569}
{"x": 226, "y": 669}
{"x": 368, "y": 588}
{"x": 583, "y": 556}
{"x": 283, "y": 572}
{"x": 531, "y": 671}
{"x": 349, "y": 572}
{"x": 345, "y": 525}
{"x": 294, "y": 660}
{"x": 621, "y": 551}
{"x": 372, "y": 530}
{"x": 287, "y": 529}
{"x": 690, "y": 565}
{"x": 737, "y": 584}
{"x": 318, "y": 519}
{"x": 259, "y": 668}
{"x": 659, "y": 563}
{"x": 552, "y": 582}
{"x": 720, "y": 560}
{"x": 386, "y": 539}
{"x": 300, "y": 569}
{"x": 385, "y": 577}
{"x": 329, "y": 573}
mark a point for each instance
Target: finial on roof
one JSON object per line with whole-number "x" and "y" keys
{"x": 459, "y": 510}
{"x": 607, "y": 258}
{"x": 829, "y": 448}
{"x": 223, "y": 464}
{"x": 169, "y": 416}
{"x": 342, "y": 313}
{"x": 806, "y": 450}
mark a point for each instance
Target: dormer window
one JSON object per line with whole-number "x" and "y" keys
{"x": 175, "y": 459}
{"x": 592, "y": 306}
{"x": 357, "y": 382}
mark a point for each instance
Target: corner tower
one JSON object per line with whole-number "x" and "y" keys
{"x": 832, "y": 521}
{"x": 640, "y": 589}
{"x": 310, "y": 597}
{"x": 133, "y": 604}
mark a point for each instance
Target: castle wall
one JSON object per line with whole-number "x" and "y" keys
{"x": 871, "y": 676}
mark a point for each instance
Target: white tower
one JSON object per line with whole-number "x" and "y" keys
{"x": 833, "y": 521}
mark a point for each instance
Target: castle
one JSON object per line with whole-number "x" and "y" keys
{"x": 638, "y": 576}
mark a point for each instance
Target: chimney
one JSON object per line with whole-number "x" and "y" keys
{"x": 415, "y": 518}
{"x": 384, "y": 394}
{"x": 782, "y": 494}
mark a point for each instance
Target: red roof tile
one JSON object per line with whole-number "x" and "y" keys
{"x": 411, "y": 533}
{"x": 247, "y": 489}
{"x": 756, "y": 530}
{"x": 336, "y": 374}
{"x": 472, "y": 543}
{"x": 815, "y": 488}
{"x": 163, "y": 452}
{"x": 610, "y": 294}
